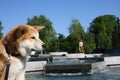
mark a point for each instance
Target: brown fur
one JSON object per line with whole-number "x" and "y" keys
{"x": 11, "y": 39}
{"x": 3, "y": 61}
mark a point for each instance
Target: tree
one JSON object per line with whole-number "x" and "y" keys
{"x": 48, "y": 34}
{"x": 76, "y": 33}
{"x": 61, "y": 42}
{"x": 1, "y": 34}
{"x": 116, "y": 35}
{"x": 102, "y": 27}
{"x": 76, "y": 29}
{"x": 89, "y": 43}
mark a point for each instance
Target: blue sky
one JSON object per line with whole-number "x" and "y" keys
{"x": 59, "y": 12}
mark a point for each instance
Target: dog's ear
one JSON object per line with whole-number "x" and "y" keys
{"x": 20, "y": 32}
{"x": 39, "y": 27}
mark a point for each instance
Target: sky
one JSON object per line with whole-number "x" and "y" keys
{"x": 59, "y": 12}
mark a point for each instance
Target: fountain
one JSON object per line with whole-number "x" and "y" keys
{"x": 75, "y": 63}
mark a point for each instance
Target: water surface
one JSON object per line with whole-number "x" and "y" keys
{"x": 108, "y": 74}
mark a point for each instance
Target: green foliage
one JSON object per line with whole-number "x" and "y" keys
{"x": 102, "y": 27}
{"x": 76, "y": 29}
{"x": 48, "y": 34}
{"x": 71, "y": 42}
{"x": 67, "y": 44}
{"x": 62, "y": 46}
{"x": 89, "y": 44}
{"x": 116, "y": 35}
{"x": 104, "y": 31}
{"x": 1, "y": 34}
{"x": 76, "y": 33}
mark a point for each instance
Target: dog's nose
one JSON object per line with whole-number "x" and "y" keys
{"x": 44, "y": 46}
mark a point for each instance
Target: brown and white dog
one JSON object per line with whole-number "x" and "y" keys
{"x": 19, "y": 42}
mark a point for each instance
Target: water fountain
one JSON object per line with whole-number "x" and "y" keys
{"x": 75, "y": 64}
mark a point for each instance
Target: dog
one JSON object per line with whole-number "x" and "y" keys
{"x": 19, "y": 43}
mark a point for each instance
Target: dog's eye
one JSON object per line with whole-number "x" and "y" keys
{"x": 32, "y": 37}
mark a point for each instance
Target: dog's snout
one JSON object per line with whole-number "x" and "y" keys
{"x": 44, "y": 46}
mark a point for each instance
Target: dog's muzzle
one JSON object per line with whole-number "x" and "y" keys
{"x": 44, "y": 46}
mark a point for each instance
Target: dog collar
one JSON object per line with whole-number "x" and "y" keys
{"x": 10, "y": 52}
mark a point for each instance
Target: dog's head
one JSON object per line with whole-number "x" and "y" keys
{"x": 23, "y": 39}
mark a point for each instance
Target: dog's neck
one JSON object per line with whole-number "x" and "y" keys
{"x": 12, "y": 53}
{"x": 17, "y": 56}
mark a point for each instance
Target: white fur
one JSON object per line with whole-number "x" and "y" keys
{"x": 17, "y": 67}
